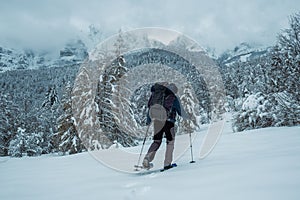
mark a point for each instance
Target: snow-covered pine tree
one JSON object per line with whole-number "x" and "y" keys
{"x": 230, "y": 81}
{"x": 283, "y": 74}
{"x": 95, "y": 35}
{"x": 49, "y": 111}
{"x": 264, "y": 110}
{"x": 119, "y": 45}
{"x": 26, "y": 144}
{"x": 66, "y": 140}
{"x": 190, "y": 104}
{"x": 113, "y": 107}
{"x": 51, "y": 97}
{"x": 9, "y": 121}
{"x": 109, "y": 115}
{"x": 139, "y": 105}
{"x": 286, "y": 59}
{"x": 17, "y": 145}
{"x": 288, "y": 109}
{"x": 33, "y": 144}
{"x": 255, "y": 113}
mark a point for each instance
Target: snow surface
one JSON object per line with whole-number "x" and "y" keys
{"x": 245, "y": 58}
{"x": 257, "y": 164}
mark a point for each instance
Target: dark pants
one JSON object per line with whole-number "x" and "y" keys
{"x": 159, "y": 129}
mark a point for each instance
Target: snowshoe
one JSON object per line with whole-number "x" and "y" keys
{"x": 141, "y": 167}
{"x": 169, "y": 167}
{"x": 147, "y": 164}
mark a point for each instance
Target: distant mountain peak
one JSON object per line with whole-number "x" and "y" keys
{"x": 74, "y": 52}
{"x": 242, "y": 53}
{"x": 242, "y": 47}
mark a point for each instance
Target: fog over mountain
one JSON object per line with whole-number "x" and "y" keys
{"x": 47, "y": 25}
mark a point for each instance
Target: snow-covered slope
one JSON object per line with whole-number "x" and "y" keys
{"x": 12, "y": 59}
{"x": 257, "y": 164}
{"x": 242, "y": 53}
{"x": 73, "y": 53}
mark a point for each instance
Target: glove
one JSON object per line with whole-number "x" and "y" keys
{"x": 148, "y": 120}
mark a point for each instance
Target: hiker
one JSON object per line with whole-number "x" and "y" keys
{"x": 163, "y": 107}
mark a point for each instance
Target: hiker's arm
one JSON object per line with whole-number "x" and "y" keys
{"x": 152, "y": 91}
{"x": 148, "y": 119}
{"x": 149, "y": 101}
{"x": 180, "y": 110}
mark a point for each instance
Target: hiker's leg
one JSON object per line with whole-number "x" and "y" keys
{"x": 152, "y": 150}
{"x": 157, "y": 139}
{"x": 170, "y": 134}
{"x": 158, "y": 127}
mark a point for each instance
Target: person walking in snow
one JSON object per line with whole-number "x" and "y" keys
{"x": 163, "y": 106}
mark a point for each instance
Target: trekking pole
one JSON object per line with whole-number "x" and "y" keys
{"x": 191, "y": 146}
{"x": 137, "y": 165}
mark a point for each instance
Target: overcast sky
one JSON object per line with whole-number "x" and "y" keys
{"x": 220, "y": 24}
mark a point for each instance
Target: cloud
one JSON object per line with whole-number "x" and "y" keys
{"x": 48, "y": 24}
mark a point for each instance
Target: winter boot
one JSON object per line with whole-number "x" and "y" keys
{"x": 147, "y": 164}
{"x": 170, "y": 166}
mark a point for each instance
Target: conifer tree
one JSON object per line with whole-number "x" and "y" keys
{"x": 286, "y": 59}
{"x": 26, "y": 144}
{"x": 190, "y": 105}
{"x": 66, "y": 140}
{"x": 9, "y": 121}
